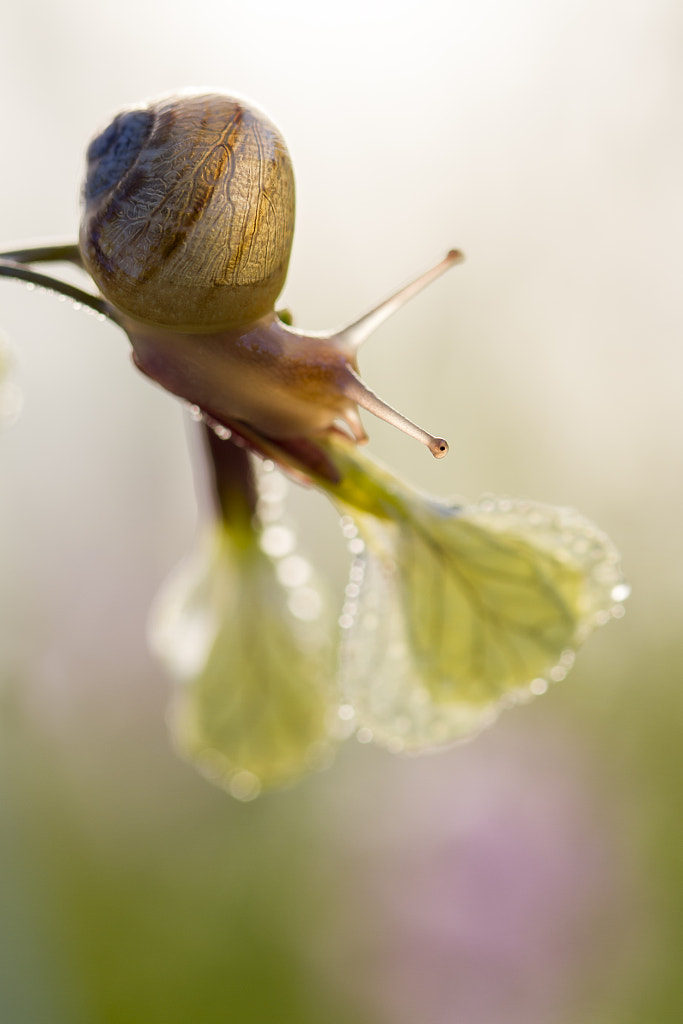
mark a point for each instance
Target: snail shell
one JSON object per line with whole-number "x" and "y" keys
{"x": 188, "y": 213}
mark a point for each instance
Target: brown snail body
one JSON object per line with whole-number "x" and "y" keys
{"x": 187, "y": 225}
{"x": 265, "y": 375}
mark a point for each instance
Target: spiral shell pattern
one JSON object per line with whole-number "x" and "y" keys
{"x": 188, "y": 213}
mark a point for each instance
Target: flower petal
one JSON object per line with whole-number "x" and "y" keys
{"x": 254, "y": 706}
{"x": 461, "y": 611}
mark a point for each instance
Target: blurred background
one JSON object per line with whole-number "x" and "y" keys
{"x": 533, "y": 876}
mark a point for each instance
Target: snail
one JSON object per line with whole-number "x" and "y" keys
{"x": 187, "y": 225}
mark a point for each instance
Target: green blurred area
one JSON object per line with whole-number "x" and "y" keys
{"x": 137, "y": 892}
{"x": 134, "y": 891}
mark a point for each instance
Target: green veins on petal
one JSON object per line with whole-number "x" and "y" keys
{"x": 456, "y": 612}
{"x": 253, "y": 707}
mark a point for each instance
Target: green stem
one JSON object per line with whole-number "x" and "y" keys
{"x": 17, "y": 270}
{"x": 233, "y": 484}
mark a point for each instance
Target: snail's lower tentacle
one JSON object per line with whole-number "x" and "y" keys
{"x": 360, "y": 393}
{"x": 353, "y": 421}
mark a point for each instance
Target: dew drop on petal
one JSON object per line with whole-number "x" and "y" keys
{"x": 567, "y": 658}
{"x": 621, "y": 592}
{"x": 272, "y": 487}
{"x": 269, "y": 512}
{"x": 277, "y": 540}
{"x": 245, "y": 786}
{"x": 294, "y": 571}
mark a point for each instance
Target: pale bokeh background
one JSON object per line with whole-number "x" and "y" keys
{"x": 532, "y": 876}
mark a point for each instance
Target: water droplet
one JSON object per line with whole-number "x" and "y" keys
{"x": 538, "y": 686}
{"x": 346, "y": 712}
{"x": 345, "y": 621}
{"x": 245, "y": 785}
{"x": 294, "y": 571}
{"x": 272, "y": 487}
{"x": 356, "y": 546}
{"x": 567, "y": 658}
{"x": 558, "y": 673}
{"x": 364, "y": 735}
{"x": 618, "y": 611}
{"x": 277, "y": 540}
{"x": 620, "y": 592}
